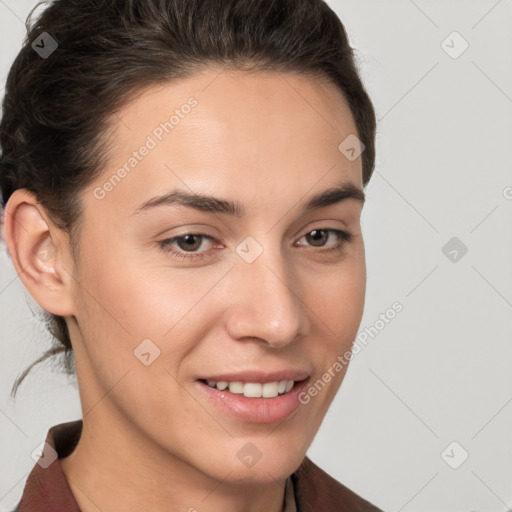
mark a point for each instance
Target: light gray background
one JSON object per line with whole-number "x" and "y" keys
{"x": 440, "y": 371}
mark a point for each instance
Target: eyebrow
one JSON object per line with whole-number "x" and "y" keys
{"x": 206, "y": 203}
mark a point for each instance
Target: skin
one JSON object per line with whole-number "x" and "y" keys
{"x": 147, "y": 432}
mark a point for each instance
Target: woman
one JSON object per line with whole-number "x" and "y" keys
{"x": 183, "y": 184}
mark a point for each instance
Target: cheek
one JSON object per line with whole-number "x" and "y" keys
{"x": 338, "y": 300}
{"x": 128, "y": 301}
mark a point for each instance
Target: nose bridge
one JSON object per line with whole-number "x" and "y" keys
{"x": 266, "y": 302}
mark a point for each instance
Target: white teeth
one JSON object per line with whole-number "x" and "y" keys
{"x": 254, "y": 389}
{"x": 269, "y": 389}
{"x": 236, "y": 387}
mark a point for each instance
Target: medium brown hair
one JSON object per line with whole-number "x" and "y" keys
{"x": 56, "y": 110}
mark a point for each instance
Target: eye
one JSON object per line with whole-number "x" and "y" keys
{"x": 188, "y": 243}
{"x": 186, "y": 246}
{"x": 319, "y": 237}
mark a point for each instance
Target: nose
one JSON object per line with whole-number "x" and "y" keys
{"x": 266, "y": 301}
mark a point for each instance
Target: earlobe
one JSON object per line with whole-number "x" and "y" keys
{"x": 37, "y": 257}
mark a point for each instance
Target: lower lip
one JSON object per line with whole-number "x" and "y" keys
{"x": 254, "y": 410}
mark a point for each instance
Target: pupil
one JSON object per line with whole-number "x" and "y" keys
{"x": 318, "y": 235}
{"x": 189, "y": 240}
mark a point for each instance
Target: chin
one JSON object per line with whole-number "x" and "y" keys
{"x": 261, "y": 461}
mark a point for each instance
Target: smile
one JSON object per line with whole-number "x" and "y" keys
{"x": 253, "y": 401}
{"x": 254, "y": 389}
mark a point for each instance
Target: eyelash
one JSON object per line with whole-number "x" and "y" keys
{"x": 344, "y": 237}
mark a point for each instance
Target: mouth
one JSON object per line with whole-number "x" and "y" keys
{"x": 253, "y": 389}
{"x": 253, "y": 401}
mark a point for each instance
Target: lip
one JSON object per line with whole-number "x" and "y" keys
{"x": 254, "y": 410}
{"x": 258, "y": 376}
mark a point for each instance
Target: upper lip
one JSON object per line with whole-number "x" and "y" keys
{"x": 259, "y": 376}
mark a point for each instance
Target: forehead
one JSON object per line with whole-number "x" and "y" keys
{"x": 228, "y": 94}
{"x": 219, "y": 130}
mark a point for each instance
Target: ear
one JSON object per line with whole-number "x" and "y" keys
{"x": 40, "y": 253}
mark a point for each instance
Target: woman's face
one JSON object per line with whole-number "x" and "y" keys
{"x": 266, "y": 292}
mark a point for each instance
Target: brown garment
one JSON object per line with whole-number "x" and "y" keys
{"x": 47, "y": 490}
